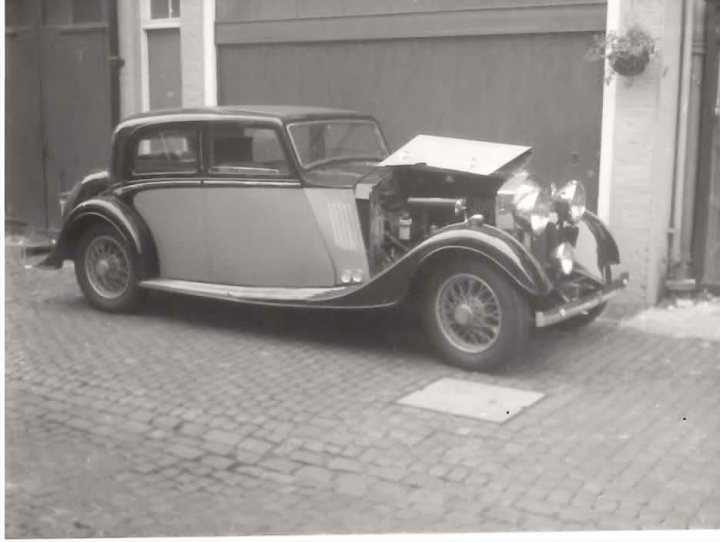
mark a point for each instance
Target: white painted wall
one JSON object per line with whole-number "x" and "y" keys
{"x": 197, "y": 52}
{"x": 197, "y": 18}
{"x": 638, "y": 153}
{"x": 129, "y": 41}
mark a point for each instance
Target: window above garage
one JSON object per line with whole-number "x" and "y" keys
{"x": 73, "y": 12}
{"x": 164, "y": 9}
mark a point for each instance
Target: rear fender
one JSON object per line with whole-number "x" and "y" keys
{"x": 108, "y": 210}
{"x": 486, "y": 242}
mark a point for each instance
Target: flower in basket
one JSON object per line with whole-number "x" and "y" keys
{"x": 627, "y": 54}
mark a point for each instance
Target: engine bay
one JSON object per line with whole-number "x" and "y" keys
{"x": 405, "y": 207}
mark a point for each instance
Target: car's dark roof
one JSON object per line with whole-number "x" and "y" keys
{"x": 283, "y": 113}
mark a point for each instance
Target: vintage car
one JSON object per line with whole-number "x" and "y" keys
{"x": 305, "y": 207}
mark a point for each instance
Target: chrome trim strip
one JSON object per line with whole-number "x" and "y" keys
{"x": 197, "y": 182}
{"x": 254, "y": 182}
{"x": 158, "y": 183}
{"x": 246, "y": 293}
{"x": 573, "y": 308}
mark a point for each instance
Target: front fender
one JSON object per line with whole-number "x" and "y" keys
{"x": 119, "y": 215}
{"x": 486, "y": 242}
{"x": 607, "y": 250}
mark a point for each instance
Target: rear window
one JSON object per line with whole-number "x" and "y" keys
{"x": 166, "y": 150}
{"x": 246, "y": 150}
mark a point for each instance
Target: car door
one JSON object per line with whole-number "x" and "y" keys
{"x": 260, "y": 226}
{"x": 165, "y": 186}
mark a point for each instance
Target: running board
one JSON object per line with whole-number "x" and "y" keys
{"x": 249, "y": 294}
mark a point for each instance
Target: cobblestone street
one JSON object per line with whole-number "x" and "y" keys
{"x": 195, "y": 417}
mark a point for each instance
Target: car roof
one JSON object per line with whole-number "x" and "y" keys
{"x": 283, "y": 113}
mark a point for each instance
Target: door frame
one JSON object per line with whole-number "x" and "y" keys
{"x": 709, "y": 116}
{"x": 148, "y": 24}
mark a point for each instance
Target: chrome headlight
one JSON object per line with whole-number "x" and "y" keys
{"x": 532, "y": 210}
{"x": 563, "y": 258}
{"x": 570, "y": 201}
{"x": 521, "y": 202}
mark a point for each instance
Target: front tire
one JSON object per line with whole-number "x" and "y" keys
{"x": 474, "y": 316}
{"x": 105, "y": 269}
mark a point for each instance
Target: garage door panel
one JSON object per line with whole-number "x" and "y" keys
{"x": 533, "y": 89}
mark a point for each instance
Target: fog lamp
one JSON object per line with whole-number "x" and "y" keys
{"x": 563, "y": 258}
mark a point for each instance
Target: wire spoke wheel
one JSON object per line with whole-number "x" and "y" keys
{"x": 107, "y": 267}
{"x": 468, "y": 313}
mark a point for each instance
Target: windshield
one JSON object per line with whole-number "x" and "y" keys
{"x": 326, "y": 141}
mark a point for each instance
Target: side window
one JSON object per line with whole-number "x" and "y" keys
{"x": 246, "y": 150}
{"x": 165, "y": 150}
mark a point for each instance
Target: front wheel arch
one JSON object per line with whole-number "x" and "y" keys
{"x": 443, "y": 257}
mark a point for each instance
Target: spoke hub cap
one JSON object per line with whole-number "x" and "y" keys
{"x": 103, "y": 267}
{"x": 463, "y": 314}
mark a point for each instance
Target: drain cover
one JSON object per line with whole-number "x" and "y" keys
{"x": 472, "y": 399}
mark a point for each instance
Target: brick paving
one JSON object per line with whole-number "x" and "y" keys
{"x": 195, "y": 417}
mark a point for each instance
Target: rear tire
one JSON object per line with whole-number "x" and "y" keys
{"x": 105, "y": 268}
{"x": 475, "y": 318}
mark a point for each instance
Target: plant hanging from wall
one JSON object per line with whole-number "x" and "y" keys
{"x": 627, "y": 54}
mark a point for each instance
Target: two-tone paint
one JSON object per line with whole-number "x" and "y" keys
{"x": 278, "y": 241}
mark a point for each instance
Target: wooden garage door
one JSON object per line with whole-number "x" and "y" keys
{"x": 533, "y": 88}
{"x": 25, "y": 199}
{"x": 59, "y": 119}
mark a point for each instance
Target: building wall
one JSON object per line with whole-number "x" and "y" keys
{"x": 640, "y": 147}
{"x": 509, "y": 71}
{"x": 247, "y": 11}
{"x": 395, "y": 58}
{"x": 197, "y": 62}
{"x": 501, "y": 70}
{"x": 129, "y": 38}
{"x": 59, "y": 103}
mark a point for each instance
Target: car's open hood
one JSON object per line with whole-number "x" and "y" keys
{"x": 458, "y": 155}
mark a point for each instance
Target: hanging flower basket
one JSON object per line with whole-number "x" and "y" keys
{"x": 627, "y": 54}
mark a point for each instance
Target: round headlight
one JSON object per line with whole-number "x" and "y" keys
{"x": 570, "y": 201}
{"x": 532, "y": 208}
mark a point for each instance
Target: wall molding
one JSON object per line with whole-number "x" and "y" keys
{"x": 209, "y": 54}
{"x": 608, "y": 125}
{"x": 527, "y": 19}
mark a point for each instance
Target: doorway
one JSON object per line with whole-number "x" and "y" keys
{"x": 61, "y": 101}
{"x": 706, "y": 241}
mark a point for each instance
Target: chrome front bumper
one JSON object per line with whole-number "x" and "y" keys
{"x": 579, "y": 306}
